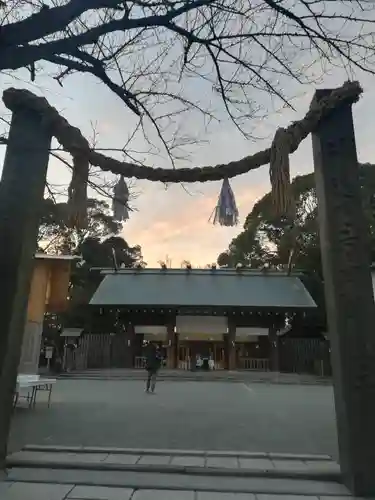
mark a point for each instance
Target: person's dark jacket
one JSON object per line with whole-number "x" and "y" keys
{"x": 153, "y": 360}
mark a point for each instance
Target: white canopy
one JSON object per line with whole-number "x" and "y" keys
{"x": 71, "y": 332}
{"x": 151, "y": 330}
{"x": 213, "y": 325}
{"x": 246, "y": 331}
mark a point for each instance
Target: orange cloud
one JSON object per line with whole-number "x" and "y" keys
{"x": 182, "y": 230}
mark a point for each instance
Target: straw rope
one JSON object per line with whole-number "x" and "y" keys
{"x": 77, "y": 192}
{"x": 280, "y": 172}
{"x": 286, "y": 142}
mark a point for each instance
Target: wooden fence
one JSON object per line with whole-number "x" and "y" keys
{"x": 305, "y": 355}
{"x": 254, "y": 364}
{"x": 139, "y": 362}
{"x": 101, "y": 351}
{"x": 297, "y": 355}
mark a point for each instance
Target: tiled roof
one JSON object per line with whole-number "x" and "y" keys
{"x": 202, "y": 287}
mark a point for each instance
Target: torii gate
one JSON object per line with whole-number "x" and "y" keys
{"x": 344, "y": 245}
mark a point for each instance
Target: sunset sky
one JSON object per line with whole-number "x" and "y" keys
{"x": 173, "y": 221}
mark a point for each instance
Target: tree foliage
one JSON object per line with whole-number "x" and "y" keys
{"x": 266, "y": 239}
{"x": 56, "y": 234}
{"x": 152, "y": 53}
{"x": 96, "y": 246}
{"x": 99, "y": 254}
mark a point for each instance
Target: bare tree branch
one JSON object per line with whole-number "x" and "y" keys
{"x": 147, "y": 52}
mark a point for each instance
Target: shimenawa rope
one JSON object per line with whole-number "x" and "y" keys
{"x": 286, "y": 141}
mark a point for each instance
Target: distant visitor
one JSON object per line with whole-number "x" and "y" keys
{"x": 153, "y": 363}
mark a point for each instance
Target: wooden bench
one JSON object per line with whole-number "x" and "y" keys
{"x": 33, "y": 384}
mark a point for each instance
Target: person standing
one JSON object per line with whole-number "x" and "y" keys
{"x": 153, "y": 363}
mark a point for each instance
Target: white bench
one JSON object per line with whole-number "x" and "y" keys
{"x": 33, "y": 384}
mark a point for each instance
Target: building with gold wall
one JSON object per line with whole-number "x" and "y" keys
{"x": 48, "y": 293}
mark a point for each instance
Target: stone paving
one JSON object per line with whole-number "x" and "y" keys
{"x": 35, "y": 491}
{"x": 173, "y": 460}
{"x": 183, "y": 415}
{"x": 108, "y": 440}
{"x": 80, "y": 473}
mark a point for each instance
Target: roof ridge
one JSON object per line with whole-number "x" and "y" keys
{"x": 187, "y": 272}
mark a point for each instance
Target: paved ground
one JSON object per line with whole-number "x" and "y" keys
{"x": 184, "y": 415}
{"x": 54, "y": 473}
{"x": 35, "y": 491}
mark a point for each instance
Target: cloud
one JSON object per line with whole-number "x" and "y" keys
{"x": 104, "y": 127}
{"x": 170, "y": 221}
{"x": 182, "y": 230}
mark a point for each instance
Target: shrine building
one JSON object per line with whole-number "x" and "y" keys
{"x": 234, "y": 316}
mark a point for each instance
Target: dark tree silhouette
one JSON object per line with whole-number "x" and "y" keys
{"x": 56, "y": 235}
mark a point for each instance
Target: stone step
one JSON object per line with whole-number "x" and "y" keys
{"x": 203, "y": 464}
{"x": 187, "y": 482}
{"x": 175, "y": 451}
